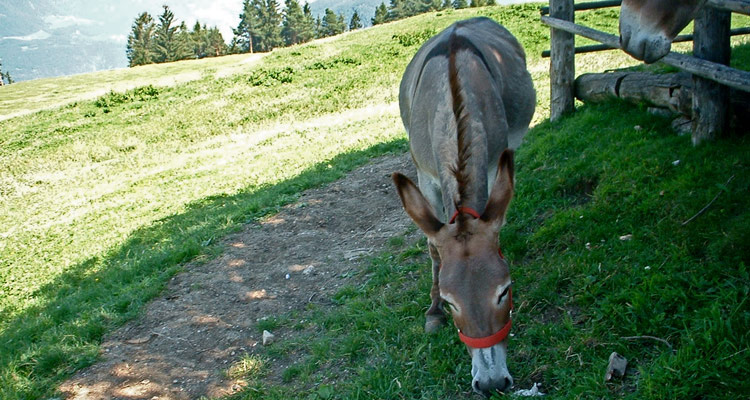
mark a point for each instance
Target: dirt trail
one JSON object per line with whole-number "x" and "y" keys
{"x": 206, "y": 318}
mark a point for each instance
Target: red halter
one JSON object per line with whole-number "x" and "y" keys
{"x": 499, "y": 336}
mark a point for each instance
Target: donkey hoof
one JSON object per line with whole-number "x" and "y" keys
{"x": 434, "y": 323}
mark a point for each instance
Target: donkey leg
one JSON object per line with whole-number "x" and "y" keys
{"x": 435, "y": 316}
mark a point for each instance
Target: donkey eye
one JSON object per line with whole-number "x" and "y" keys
{"x": 502, "y": 295}
{"x": 450, "y": 305}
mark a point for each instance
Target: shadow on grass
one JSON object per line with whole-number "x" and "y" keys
{"x": 61, "y": 333}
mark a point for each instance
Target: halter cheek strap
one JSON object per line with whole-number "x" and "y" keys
{"x": 499, "y": 336}
{"x": 495, "y": 338}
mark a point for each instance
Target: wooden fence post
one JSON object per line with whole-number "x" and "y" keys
{"x": 710, "y": 99}
{"x": 562, "y": 61}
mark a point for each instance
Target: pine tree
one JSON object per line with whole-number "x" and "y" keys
{"x": 331, "y": 24}
{"x": 396, "y": 10}
{"x": 140, "y": 47}
{"x": 355, "y": 22}
{"x": 447, "y": 4}
{"x": 4, "y": 76}
{"x": 246, "y": 30}
{"x": 269, "y": 25}
{"x": 216, "y": 45}
{"x": 459, "y": 4}
{"x": 308, "y": 30}
{"x": 293, "y": 21}
{"x": 199, "y": 37}
{"x": 171, "y": 43}
{"x": 381, "y": 14}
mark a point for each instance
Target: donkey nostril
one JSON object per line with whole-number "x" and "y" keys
{"x": 476, "y": 386}
{"x": 506, "y": 384}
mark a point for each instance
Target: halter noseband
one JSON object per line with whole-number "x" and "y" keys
{"x": 499, "y": 336}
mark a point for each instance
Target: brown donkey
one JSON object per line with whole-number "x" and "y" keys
{"x": 647, "y": 27}
{"x": 465, "y": 98}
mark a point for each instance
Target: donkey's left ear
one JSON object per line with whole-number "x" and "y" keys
{"x": 502, "y": 191}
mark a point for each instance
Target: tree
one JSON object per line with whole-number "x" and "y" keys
{"x": 447, "y": 4}
{"x": 293, "y": 22}
{"x": 331, "y": 24}
{"x": 171, "y": 43}
{"x": 458, "y": 4}
{"x": 269, "y": 25}
{"x": 199, "y": 37}
{"x": 355, "y": 22}
{"x": 4, "y": 76}
{"x": 308, "y": 30}
{"x": 246, "y": 30}
{"x": 381, "y": 14}
{"x": 140, "y": 47}
{"x": 216, "y": 44}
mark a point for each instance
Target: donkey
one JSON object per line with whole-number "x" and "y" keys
{"x": 647, "y": 27}
{"x": 465, "y": 98}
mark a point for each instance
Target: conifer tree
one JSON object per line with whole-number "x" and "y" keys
{"x": 355, "y": 22}
{"x": 308, "y": 30}
{"x": 269, "y": 25}
{"x": 246, "y": 30}
{"x": 331, "y": 24}
{"x": 215, "y": 40}
{"x": 292, "y": 22}
{"x": 447, "y": 4}
{"x": 140, "y": 47}
{"x": 171, "y": 43}
{"x": 4, "y": 76}
{"x": 381, "y": 14}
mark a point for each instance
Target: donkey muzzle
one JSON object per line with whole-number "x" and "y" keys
{"x": 489, "y": 371}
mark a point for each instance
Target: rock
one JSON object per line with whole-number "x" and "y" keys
{"x": 309, "y": 270}
{"x": 533, "y": 392}
{"x": 268, "y": 338}
{"x": 616, "y": 367}
{"x": 626, "y": 237}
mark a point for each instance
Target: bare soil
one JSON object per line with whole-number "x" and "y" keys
{"x": 206, "y": 319}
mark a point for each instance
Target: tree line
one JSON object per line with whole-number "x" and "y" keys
{"x": 399, "y": 9}
{"x": 167, "y": 40}
{"x": 263, "y": 26}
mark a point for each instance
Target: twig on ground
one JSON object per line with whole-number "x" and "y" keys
{"x": 707, "y": 205}
{"x": 648, "y": 337}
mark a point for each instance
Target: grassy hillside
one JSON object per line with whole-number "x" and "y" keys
{"x": 102, "y": 200}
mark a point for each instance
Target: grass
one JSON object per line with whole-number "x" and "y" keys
{"x": 102, "y": 200}
{"x": 580, "y": 289}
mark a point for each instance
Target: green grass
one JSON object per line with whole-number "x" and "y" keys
{"x": 103, "y": 200}
{"x": 580, "y": 290}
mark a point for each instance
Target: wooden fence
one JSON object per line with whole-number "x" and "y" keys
{"x": 711, "y": 75}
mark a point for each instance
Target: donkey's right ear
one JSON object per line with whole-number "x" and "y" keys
{"x": 418, "y": 208}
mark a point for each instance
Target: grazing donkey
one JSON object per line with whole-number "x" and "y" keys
{"x": 647, "y": 27}
{"x": 465, "y": 98}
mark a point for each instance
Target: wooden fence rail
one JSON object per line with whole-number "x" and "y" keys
{"x": 709, "y": 66}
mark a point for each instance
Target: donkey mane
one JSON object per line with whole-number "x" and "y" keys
{"x": 461, "y": 114}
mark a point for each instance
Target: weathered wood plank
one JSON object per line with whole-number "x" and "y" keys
{"x": 710, "y": 99}
{"x": 711, "y": 70}
{"x": 738, "y": 6}
{"x": 562, "y": 61}
{"x": 591, "y": 5}
{"x": 681, "y": 38}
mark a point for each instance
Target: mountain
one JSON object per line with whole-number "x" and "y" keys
{"x": 51, "y": 38}
{"x": 365, "y": 8}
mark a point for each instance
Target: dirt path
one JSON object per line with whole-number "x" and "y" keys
{"x": 206, "y": 318}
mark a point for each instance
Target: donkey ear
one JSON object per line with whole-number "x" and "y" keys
{"x": 502, "y": 191}
{"x": 416, "y": 205}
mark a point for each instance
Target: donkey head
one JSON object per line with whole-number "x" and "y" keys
{"x": 474, "y": 279}
{"x": 647, "y": 27}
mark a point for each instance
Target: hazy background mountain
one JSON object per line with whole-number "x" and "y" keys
{"x": 45, "y": 38}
